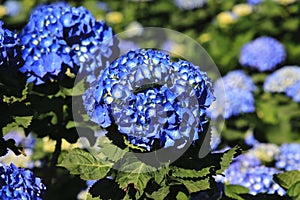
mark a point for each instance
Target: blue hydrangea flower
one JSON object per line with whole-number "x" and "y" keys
{"x": 149, "y": 97}
{"x": 10, "y": 50}
{"x": 18, "y": 183}
{"x": 238, "y": 96}
{"x": 58, "y": 37}
{"x": 254, "y": 2}
{"x": 289, "y": 157}
{"x": 263, "y": 54}
{"x": 189, "y": 4}
{"x": 294, "y": 91}
{"x": 282, "y": 79}
{"x": 247, "y": 171}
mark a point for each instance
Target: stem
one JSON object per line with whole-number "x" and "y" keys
{"x": 56, "y": 153}
{"x": 54, "y": 160}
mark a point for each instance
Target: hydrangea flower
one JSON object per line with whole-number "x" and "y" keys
{"x": 10, "y": 50}
{"x": 294, "y": 91}
{"x": 265, "y": 152}
{"x": 247, "y": 171}
{"x": 238, "y": 96}
{"x": 254, "y": 2}
{"x": 151, "y": 98}
{"x": 282, "y": 79}
{"x": 289, "y": 157}
{"x": 58, "y": 37}
{"x": 189, "y": 4}
{"x": 263, "y": 54}
{"x": 18, "y": 183}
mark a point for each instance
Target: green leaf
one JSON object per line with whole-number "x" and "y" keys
{"x": 190, "y": 173}
{"x": 90, "y": 197}
{"x": 111, "y": 151}
{"x": 287, "y": 179}
{"x": 134, "y": 171}
{"x": 233, "y": 191}
{"x": 82, "y": 163}
{"x": 226, "y": 159}
{"x": 160, "y": 194}
{"x": 294, "y": 190}
{"x": 19, "y": 122}
{"x": 181, "y": 196}
{"x": 77, "y": 90}
{"x": 160, "y": 174}
{"x": 13, "y": 99}
{"x": 196, "y": 186}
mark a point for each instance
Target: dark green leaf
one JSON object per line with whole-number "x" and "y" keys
{"x": 233, "y": 191}
{"x": 287, "y": 179}
{"x": 196, "y": 186}
{"x": 294, "y": 190}
{"x": 160, "y": 194}
{"x": 134, "y": 171}
{"x": 82, "y": 163}
{"x": 189, "y": 173}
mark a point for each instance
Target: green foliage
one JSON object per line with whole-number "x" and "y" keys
{"x": 82, "y": 163}
{"x": 90, "y": 197}
{"x": 196, "y": 185}
{"x": 227, "y": 157}
{"x": 234, "y": 191}
{"x": 189, "y": 173}
{"x": 133, "y": 171}
{"x": 19, "y": 122}
{"x": 290, "y": 181}
{"x": 160, "y": 194}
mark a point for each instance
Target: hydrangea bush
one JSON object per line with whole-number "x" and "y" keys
{"x": 59, "y": 56}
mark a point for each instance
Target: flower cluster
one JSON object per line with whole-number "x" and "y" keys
{"x": 189, "y": 4}
{"x": 289, "y": 157}
{"x": 238, "y": 97}
{"x": 294, "y": 91}
{"x": 58, "y": 37}
{"x": 285, "y": 80}
{"x": 10, "y": 50}
{"x": 17, "y": 183}
{"x": 263, "y": 54}
{"x": 149, "y": 97}
{"x": 247, "y": 171}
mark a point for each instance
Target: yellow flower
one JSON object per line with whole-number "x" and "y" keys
{"x": 242, "y": 9}
{"x": 204, "y": 37}
{"x": 3, "y": 11}
{"x": 49, "y": 145}
{"x": 225, "y": 18}
{"x": 114, "y": 17}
